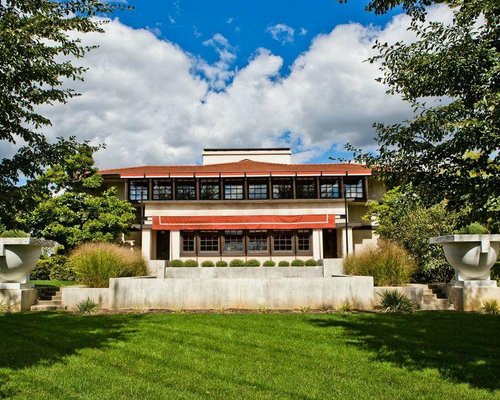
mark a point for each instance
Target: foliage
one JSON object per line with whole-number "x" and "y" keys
{"x": 53, "y": 267}
{"x": 393, "y": 301}
{"x": 297, "y": 263}
{"x": 345, "y": 307}
{"x": 87, "y": 306}
{"x": 13, "y": 233}
{"x": 402, "y": 218}
{"x": 41, "y": 270}
{"x": 176, "y": 263}
{"x": 71, "y": 210}
{"x": 388, "y": 263}
{"x": 237, "y": 263}
{"x": 207, "y": 264}
{"x": 449, "y": 75}
{"x": 96, "y": 263}
{"x": 221, "y": 263}
{"x": 491, "y": 306}
{"x": 474, "y": 229}
{"x": 283, "y": 263}
{"x": 191, "y": 263}
{"x": 252, "y": 263}
{"x": 269, "y": 263}
{"x": 39, "y": 44}
{"x": 62, "y": 271}
{"x": 311, "y": 263}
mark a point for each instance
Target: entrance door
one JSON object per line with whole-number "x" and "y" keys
{"x": 162, "y": 245}
{"x": 330, "y": 243}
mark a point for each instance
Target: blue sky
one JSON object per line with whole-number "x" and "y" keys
{"x": 173, "y": 77}
{"x": 247, "y": 24}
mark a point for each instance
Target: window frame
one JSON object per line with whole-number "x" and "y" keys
{"x": 169, "y": 184}
{"x": 278, "y": 182}
{"x": 185, "y": 182}
{"x": 335, "y": 182}
{"x": 144, "y": 184}
{"x": 234, "y": 183}
{"x": 210, "y": 182}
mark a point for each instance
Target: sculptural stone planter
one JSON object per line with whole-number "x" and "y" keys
{"x": 472, "y": 256}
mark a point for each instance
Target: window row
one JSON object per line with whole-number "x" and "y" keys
{"x": 240, "y": 242}
{"x": 251, "y": 189}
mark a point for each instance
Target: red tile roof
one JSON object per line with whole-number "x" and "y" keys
{"x": 244, "y": 167}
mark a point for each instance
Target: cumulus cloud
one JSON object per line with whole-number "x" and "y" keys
{"x": 282, "y": 33}
{"x": 148, "y": 101}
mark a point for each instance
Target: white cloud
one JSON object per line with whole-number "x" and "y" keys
{"x": 282, "y": 33}
{"x": 144, "y": 97}
{"x": 303, "y": 32}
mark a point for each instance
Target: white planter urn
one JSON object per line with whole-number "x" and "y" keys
{"x": 18, "y": 256}
{"x": 472, "y": 256}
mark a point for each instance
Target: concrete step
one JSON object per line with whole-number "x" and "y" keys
{"x": 437, "y": 307}
{"x": 43, "y": 307}
{"x": 49, "y": 302}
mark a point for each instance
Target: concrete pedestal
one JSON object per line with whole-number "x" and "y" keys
{"x": 470, "y": 295}
{"x": 17, "y": 299}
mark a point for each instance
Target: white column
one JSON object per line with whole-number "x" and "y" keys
{"x": 175, "y": 245}
{"x": 347, "y": 248}
{"x": 317, "y": 244}
{"x": 146, "y": 243}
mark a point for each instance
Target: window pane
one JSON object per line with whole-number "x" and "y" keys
{"x": 209, "y": 241}
{"x": 354, "y": 189}
{"x": 282, "y": 189}
{"x": 329, "y": 189}
{"x": 185, "y": 190}
{"x": 162, "y": 190}
{"x": 233, "y": 241}
{"x": 257, "y": 241}
{"x": 303, "y": 240}
{"x": 188, "y": 240}
{"x": 282, "y": 241}
{"x": 138, "y": 190}
{"x": 306, "y": 189}
{"x": 209, "y": 190}
{"x": 257, "y": 191}
{"x": 233, "y": 191}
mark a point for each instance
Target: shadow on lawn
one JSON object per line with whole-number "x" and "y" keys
{"x": 464, "y": 348}
{"x": 28, "y": 339}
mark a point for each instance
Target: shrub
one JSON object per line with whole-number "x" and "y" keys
{"x": 389, "y": 264}
{"x": 61, "y": 270}
{"x": 395, "y": 302}
{"x": 436, "y": 271}
{"x": 221, "y": 263}
{"x": 269, "y": 263}
{"x": 491, "y": 306}
{"x": 237, "y": 263}
{"x": 252, "y": 263}
{"x": 283, "y": 264}
{"x": 41, "y": 272}
{"x": 96, "y": 263}
{"x": 176, "y": 263}
{"x": 14, "y": 233}
{"x": 87, "y": 306}
{"x": 207, "y": 264}
{"x": 298, "y": 263}
{"x": 191, "y": 263}
{"x": 474, "y": 229}
{"x": 311, "y": 263}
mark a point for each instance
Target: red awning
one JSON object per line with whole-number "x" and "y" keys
{"x": 219, "y": 222}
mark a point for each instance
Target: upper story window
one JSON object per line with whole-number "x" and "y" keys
{"x": 233, "y": 190}
{"x": 209, "y": 189}
{"x": 257, "y": 190}
{"x": 329, "y": 188}
{"x": 185, "y": 190}
{"x": 282, "y": 188}
{"x": 162, "y": 189}
{"x": 138, "y": 190}
{"x": 306, "y": 188}
{"x": 354, "y": 188}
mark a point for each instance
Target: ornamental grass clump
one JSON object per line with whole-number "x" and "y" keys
{"x": 392, "y": 301}
{"x": 95, "y": 263}
{"x": 388, "y": 263}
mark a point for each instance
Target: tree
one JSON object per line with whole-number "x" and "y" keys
{"x": 36, "y": 54}
{"x": 71, "y": 208}
{"x": 450, "y": 149}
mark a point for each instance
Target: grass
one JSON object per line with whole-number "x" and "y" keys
{"x": 445, "y": 355}
{"x": 53, "y": 283}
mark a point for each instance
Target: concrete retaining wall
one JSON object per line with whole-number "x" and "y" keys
{"x": 73, "y": 295}
{"x": 13, "y": 300}
{"x": 244, "y": 272}
{"x": 216, "y": 293}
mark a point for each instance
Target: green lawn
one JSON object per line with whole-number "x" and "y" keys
{"x": 433, "y": 355}
{"x": 53, "y": 283}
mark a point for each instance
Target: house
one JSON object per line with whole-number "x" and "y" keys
{"x": 248, "y": 203}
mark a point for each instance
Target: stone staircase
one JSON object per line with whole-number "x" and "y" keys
{"x": 49, "y": 299}
{"x": 434, "y": 299}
